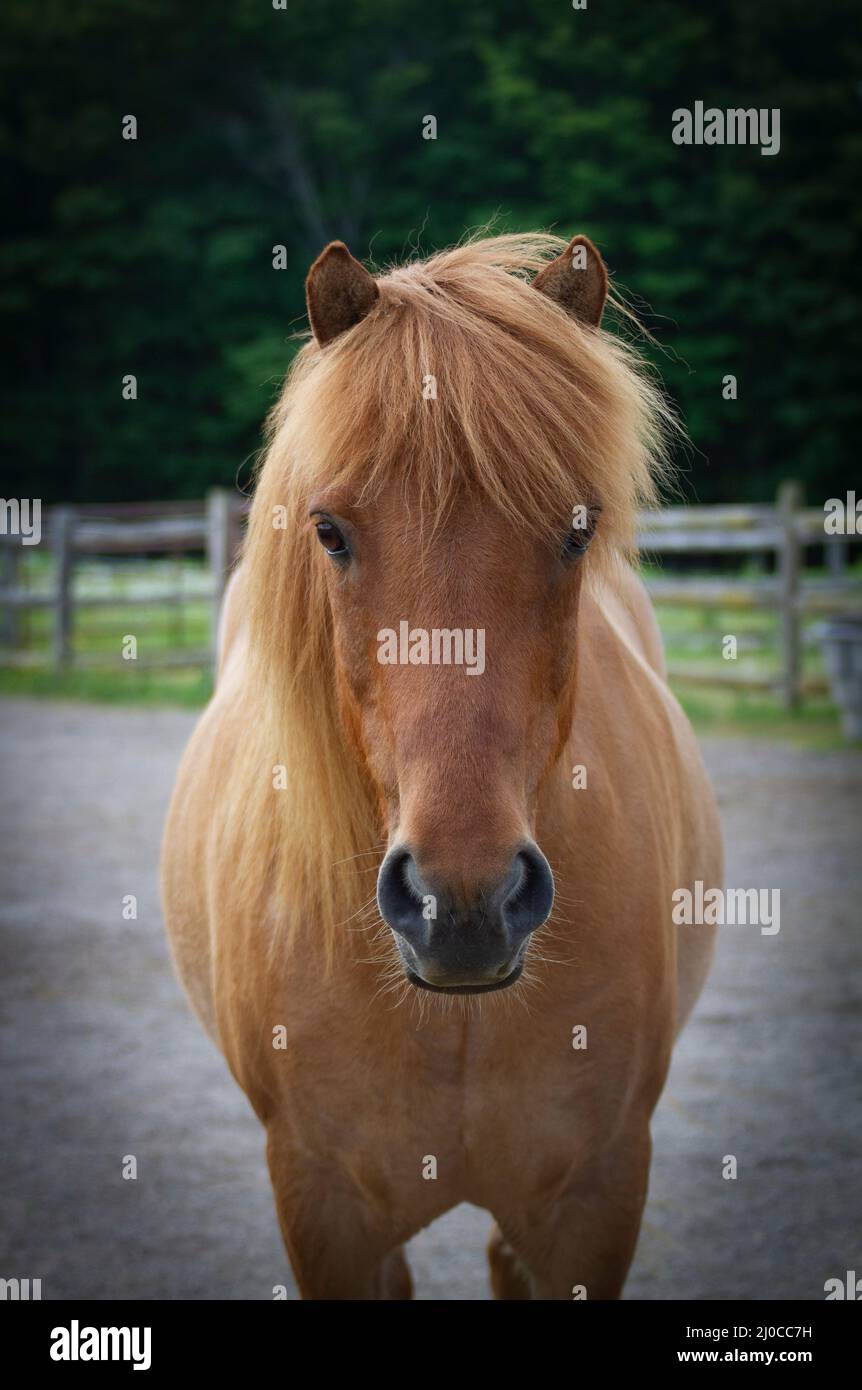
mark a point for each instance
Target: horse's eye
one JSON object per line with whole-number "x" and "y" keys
{"x": 331, "y": 539}
{"x": 578, "y": 539}
{"x": 575, "y": 544}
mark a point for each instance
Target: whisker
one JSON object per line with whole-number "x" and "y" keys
{"x": 363, "y": 853}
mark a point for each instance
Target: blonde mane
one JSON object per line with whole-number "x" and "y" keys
{"x": 529, "y": 410}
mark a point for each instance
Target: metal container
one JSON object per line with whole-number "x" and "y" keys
{"x": 841, "y": 639}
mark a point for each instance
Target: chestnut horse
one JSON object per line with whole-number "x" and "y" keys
{"x": 454, "y": 467}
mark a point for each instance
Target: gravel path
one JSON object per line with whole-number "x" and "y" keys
{"x": 101, "y": 1057}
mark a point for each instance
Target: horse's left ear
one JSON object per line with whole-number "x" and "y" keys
{"x": 577, "y": 281}
{"x": 338, "y": 291}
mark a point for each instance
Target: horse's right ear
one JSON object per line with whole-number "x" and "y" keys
{"x": 577, "y": 281}
{"x": 339, "y": 292}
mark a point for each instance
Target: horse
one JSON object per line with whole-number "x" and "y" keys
{"x": 425, "y": 909}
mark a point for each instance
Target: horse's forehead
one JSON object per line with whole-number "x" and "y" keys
{"x": 469, "y": 549}
{"x": 465, "y": 524}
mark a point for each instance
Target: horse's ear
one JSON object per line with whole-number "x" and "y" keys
{"x": 338, "y": 291}
{"x": 577, "y": 281}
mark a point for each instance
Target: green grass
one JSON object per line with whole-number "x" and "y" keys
{"x": 159, "y": 628}
{"x": 186, "y": 686}
{"x": 735, "y": 712}
{"x": 693, "y": 637}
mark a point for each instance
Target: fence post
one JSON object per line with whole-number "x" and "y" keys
{"x": 218, "y": 556}
{"x": 63, "y": 540}
{"x": 10, "y": 626}
{"x": 790, "y": 564}
{"x": 836, "y": 558}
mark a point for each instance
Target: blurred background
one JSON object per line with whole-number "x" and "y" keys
{"x": 262, "y": 127}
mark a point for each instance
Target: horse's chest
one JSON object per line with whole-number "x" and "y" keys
{"x": 448, "y": 1096}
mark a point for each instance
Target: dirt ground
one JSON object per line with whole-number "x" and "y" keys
{"x": 101, "y": 1057}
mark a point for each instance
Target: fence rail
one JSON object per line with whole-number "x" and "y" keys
{"x": 214, "y": 528}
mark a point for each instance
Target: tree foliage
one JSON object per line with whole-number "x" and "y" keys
{"x": 260, "y": 127}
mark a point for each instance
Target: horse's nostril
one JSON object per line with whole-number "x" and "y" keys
{"x": 531, "y": 897}
{"x": 400, "y": 895}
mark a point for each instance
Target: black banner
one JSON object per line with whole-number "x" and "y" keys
{"x": 240, "y": 1338}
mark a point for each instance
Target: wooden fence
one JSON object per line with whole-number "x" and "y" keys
{"x": 214, "y": 528}
{"x": 783, "y": 530}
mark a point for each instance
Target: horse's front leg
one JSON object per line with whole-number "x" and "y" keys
{"x": 579, "y": 1243}
{"x": 339, "y": 1247}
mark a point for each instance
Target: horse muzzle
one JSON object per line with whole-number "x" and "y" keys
{"x": 472, "y": 941}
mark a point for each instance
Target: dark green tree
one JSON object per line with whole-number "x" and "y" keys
{"x": 260, "y": 127}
